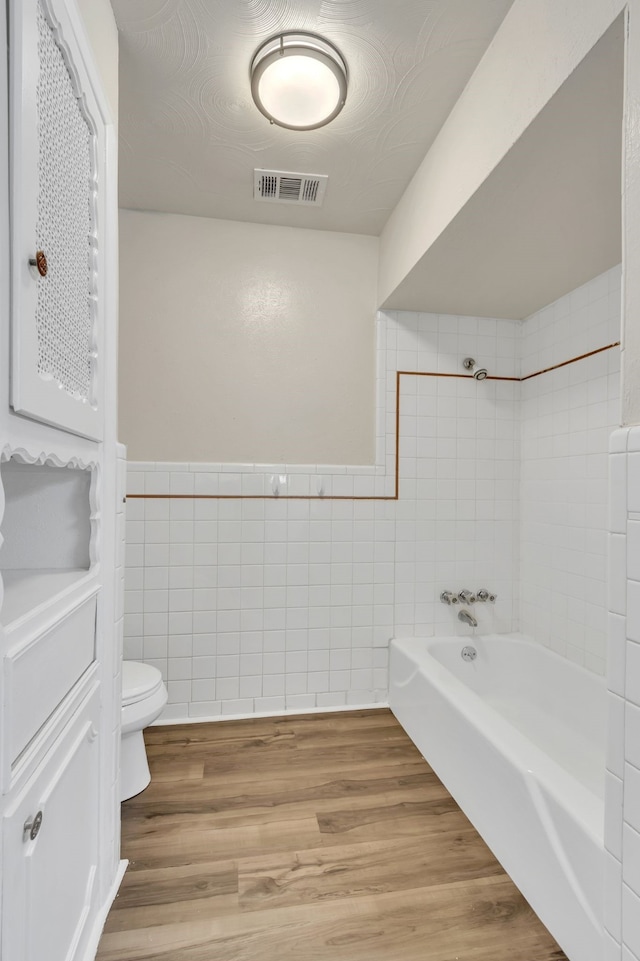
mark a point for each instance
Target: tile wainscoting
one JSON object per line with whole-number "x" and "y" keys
{"x": 250, "y": 600}
{"x": 622, "y": 804}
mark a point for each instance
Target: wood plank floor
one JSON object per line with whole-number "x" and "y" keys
{"x": 315, "y": 838}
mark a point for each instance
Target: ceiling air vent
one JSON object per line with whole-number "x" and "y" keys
{"x": 282, "y": 187}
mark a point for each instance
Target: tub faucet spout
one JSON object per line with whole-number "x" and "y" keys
{"x": 467, "y": 617}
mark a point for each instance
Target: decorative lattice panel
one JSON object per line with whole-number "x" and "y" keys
{"x": 64, "y": 315}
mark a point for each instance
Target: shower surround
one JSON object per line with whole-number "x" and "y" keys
{"x": 250, "y": 602}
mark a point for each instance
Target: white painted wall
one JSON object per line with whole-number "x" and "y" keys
{"x": 538, "y": 45}
{"x": 245, "y": 342}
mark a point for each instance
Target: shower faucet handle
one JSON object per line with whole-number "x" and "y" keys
{"x": 448, "y": 597}
{"x": 485, "y": 595}
{"x": 467, "y": 597}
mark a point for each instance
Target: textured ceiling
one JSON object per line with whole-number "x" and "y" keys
{"x": 190, "y": 134}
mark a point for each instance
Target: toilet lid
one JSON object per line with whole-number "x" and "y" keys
{"x": 139, "y": 681}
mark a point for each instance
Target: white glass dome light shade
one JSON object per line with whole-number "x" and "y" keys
{"x": 298, "y": 91}
{"x": 298, "y": 81}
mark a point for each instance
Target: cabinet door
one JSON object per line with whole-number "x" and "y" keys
{"x": 57, "y": 174}
{"x": 50, "y": 878}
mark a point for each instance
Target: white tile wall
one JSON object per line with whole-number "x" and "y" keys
{"x": 457, "y": 516}
{"x": 261, "y": 605}
{"x": 566, "y": 419}
{"x": 586, "y": 319}
{"x": 622, "y": 809}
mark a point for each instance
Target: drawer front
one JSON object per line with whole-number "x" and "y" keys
{"x": 40, "y": 673}
{"x": 50, "y": 847}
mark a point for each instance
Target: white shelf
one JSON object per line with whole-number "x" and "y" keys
{"x": 25, "y": 590}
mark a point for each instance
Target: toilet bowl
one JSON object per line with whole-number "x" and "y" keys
{"x": 143, "y": 696}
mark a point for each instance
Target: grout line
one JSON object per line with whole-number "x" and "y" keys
{"x": 347, "y": 497}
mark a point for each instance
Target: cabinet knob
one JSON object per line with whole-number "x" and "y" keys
{"x": 40, "y": 261}
{"x": 32, "y": 827}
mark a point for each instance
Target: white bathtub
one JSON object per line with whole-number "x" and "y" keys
{"x": 518, "y": 738}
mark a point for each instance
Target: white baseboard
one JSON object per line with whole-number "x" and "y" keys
{"x": 291, "y": 712}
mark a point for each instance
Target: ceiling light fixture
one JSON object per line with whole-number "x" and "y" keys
{"x": 299, "y": 80}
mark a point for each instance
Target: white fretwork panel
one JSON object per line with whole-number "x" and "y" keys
{"x": 64, "y": 309}
{"x": 57, "y": 169}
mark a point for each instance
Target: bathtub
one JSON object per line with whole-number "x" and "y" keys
{"x": 518, "y": 738}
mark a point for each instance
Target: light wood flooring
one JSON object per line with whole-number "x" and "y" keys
{"x": 315, "y": 838}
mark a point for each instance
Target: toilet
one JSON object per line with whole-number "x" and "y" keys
{"x": 143, "y": 696}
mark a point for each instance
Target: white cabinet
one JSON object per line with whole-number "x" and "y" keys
{"x": 60, "y": 650}
{"x": 52, "y": 862}
{"x": 57, "y": 208}
{"x": 41, "y": 671}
